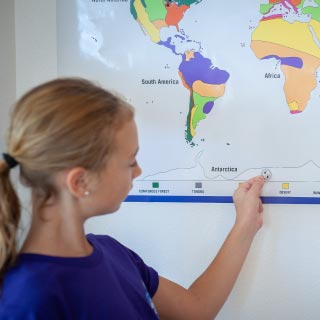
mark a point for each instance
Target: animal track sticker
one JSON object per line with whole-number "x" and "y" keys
{"x": 266, "y": 173}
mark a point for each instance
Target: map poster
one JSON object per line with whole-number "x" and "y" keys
{"x": 223, "y": 91}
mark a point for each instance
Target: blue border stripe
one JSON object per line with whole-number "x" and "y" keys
{"x": 199, "y": 199}
{"x": 221, "y": 199}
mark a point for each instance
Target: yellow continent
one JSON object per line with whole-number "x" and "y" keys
{"x": 296, "y": 35}
{"x": 143, "y": 19}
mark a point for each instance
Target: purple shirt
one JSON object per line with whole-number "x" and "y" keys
{"x": 112, "y": 283}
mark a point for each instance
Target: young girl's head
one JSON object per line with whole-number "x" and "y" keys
{"x": 59, "y": 125}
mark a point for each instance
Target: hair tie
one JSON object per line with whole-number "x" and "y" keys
{"x": 11, "y": 162}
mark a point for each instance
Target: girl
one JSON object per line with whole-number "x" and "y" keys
{"x": 75, "y": 145}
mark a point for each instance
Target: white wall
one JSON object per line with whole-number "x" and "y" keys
{"x": 7, "y": 64}
{"x": 36, "y": 53}
{"x": 280, "y": 279}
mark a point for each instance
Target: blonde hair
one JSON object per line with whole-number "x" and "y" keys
{"x": 58, "y": 125}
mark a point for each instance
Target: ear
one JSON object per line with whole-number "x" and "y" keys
{"x": 77, "y": 181}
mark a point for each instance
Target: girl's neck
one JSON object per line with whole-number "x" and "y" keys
{"x": 59, "y": 231}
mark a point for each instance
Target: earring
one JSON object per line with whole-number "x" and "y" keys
{"x": 87, "y": 193}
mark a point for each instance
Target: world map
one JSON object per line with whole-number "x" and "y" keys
{"x": 299, "y": 54}
{"x": 222, "y": 91}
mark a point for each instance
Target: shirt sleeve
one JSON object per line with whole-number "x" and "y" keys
{"x": 149, "y": 276}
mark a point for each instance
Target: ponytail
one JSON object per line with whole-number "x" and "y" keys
{"x": 9, "y": 220}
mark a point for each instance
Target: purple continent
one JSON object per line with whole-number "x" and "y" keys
{"x": 168, "y": 44}
{"x": 288, "y": 61}
{"x": 200, "y": 68}
{"x": 208, "y": 107}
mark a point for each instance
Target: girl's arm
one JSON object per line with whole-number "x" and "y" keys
{"x": 207, "y": 294}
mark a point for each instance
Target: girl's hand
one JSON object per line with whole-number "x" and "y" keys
{"x": 248, "y": 205}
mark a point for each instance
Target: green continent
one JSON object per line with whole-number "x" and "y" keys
{"x": 187, "y": 2}
{"x": 264, "y": 8}
{"x": 189, "y": 136}
{"x": 315, "y": 12}
{"x": 199, "y": 102}
{"x": 155, "y": 9}
{"x": 133, "y": 10}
